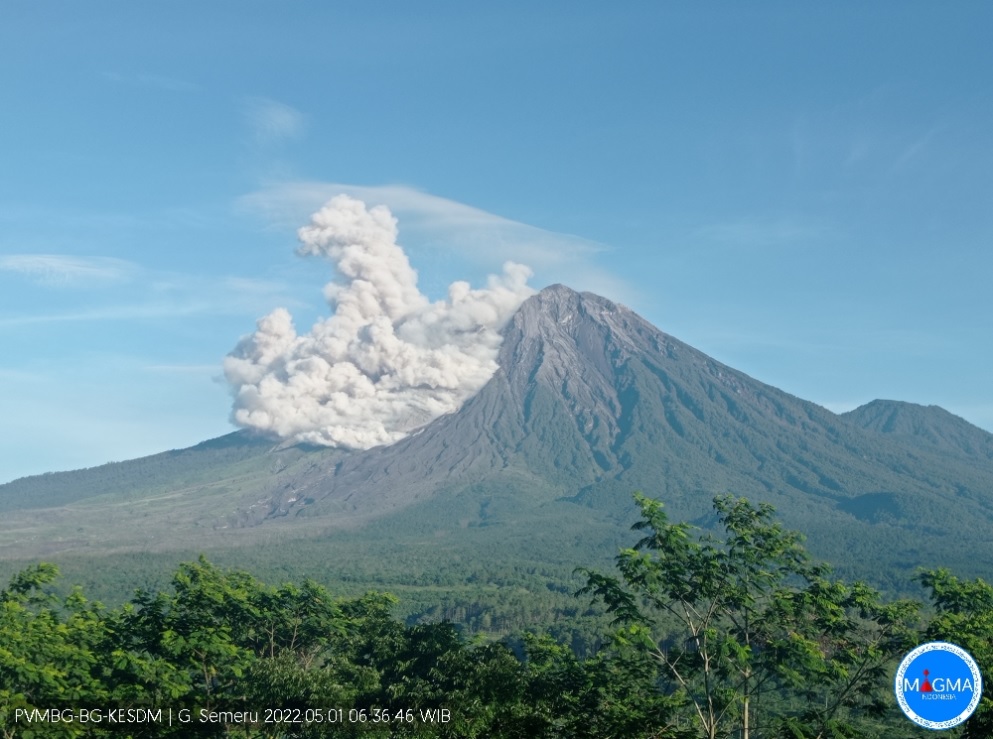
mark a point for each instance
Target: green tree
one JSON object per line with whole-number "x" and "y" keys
{"x": 748, "y": 616}
{"x": 964, "y": 616}
{"x": 57, "y": 653}
{"x": 613, "y": 694}
{"x": 233, "y": 642}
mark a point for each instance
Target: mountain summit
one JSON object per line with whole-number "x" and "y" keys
{"x": 589, "y": 403}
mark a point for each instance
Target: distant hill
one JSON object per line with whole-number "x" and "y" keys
{"x": 169, "y": 469}
{"x": 590, "y": 403}
{"x": 929, "y": 426}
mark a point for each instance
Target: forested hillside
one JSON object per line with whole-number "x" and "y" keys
{"x": 589, "y": 402}
{"x": 711, "y": 636}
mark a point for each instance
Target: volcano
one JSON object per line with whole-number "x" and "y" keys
{"x": 590, "y": 402}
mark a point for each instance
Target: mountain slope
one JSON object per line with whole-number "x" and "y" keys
{"x": 170, "y": 468}
{"x": 590, "y": 402}
{"x": 590, "y": 399}
{"x": 929, "y": 427}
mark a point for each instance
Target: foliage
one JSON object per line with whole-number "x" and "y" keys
{"x": 740, "y": 635}
{"x": 223, "y": 641}
{"x": 965, "y": 617}
{"x": 731, "y": 620}
{"x": 48, "y": 658}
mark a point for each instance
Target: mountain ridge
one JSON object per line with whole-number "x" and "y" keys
{"x": 589, "y": 403}
{"x": 931, "y": 426}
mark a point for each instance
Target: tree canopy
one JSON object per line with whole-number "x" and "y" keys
{"x": 734, "y": 633}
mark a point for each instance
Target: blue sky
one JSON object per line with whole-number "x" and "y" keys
{"x": 803, "y": 191}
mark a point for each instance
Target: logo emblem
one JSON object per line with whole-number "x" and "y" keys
{"x": 938, "y": 685}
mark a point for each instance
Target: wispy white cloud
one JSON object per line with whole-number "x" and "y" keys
{"x": 116, "y": 312}
{"x": 62, "y": 269}
{"x": 253, "y": 286}
{"x": 271, "y": 121}
{"x": 450, "y": 226}
{"x": 152, "y": 294}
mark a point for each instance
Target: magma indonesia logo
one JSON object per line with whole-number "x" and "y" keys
{"x": 938, "y": 685}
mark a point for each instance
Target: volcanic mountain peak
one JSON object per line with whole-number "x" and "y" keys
{"x": 560, "y": 335}
{"x": 589, "y": 403}
{"x": 558, "y": 305}
{"x": 560, "y": 311}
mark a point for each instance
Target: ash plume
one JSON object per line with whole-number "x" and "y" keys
{"x": 387, "y": 360}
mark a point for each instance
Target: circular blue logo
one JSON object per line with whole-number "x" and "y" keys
{"x": 938, "y": 685}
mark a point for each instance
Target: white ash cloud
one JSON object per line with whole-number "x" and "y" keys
{"x": 387, "y": 360}
{"x": 463, "y": 233}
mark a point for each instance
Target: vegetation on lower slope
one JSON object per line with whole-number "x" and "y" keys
{"x": 710, "y": 634}
{"x": 590, "y": 402}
